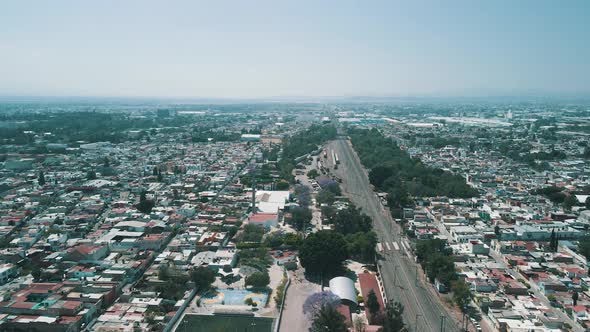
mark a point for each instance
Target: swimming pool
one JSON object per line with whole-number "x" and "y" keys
{"x": 234, "y": 297}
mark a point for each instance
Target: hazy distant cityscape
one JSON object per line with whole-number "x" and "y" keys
{"x": 274, "y": 216}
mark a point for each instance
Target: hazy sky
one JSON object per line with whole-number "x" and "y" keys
{"x": 294, "y": 48}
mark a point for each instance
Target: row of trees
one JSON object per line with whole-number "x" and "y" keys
{"x": 558, "y": 196}
{"x": 436, "y": 260}
{"x": 175, "y": 283}
{"x": 203, "y": 134}
{"x": 395, "y": 172}
{"x": 438, "y": 264}
{"x": 73, "y": 126}
{"x": 302, "y": 143}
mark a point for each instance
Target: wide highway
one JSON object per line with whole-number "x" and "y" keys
{"x": 402, "y": 280}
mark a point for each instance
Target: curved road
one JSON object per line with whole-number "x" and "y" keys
{"x": 402, "y": 281}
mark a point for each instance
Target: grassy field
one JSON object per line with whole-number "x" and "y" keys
{"x": 224, "y": 323}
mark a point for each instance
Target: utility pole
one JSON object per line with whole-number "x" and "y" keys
{"x": 416, "y": 326}
{"x": 463, "y": 320}
{"x": 254, "y": 195}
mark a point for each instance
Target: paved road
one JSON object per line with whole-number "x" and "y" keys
{"x": 294, "y": 320}
{"x": 400, "y": 274}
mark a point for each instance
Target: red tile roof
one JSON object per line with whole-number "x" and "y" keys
{"x": 369, "y": 282}
{"x": 262, "y": 217}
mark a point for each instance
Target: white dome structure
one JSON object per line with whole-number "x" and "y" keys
{"x": 343, "y": 287}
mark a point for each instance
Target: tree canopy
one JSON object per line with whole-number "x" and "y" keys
{"x": 145, "y": 205}
{"x": 258, "y": 279}
{"x": 436, "y": 260}
{"x": 302, "y": 143}
{"x": 203, "y": 277}
{"x": 351, "y": 220}
{"x": 395, "y": 172}
{"x": 300, "y": 217}
{"x": 361, "y": 245}
{"x": 41, "y": 178}
{"x": 323, "y": 252}
{"x": 392, "y": 319}
{"x": 372, "y": 303}
{"x": 461, "y": 294}
{"x": 328, "y": 319}
{"x": 312, "y": 174}
{"x": 584, "y": 247}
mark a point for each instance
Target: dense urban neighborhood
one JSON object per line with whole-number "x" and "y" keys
{"x": 315, "y": 217}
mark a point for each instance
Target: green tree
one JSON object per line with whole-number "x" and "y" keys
{"x": 569, "y": 202}
{"x": 575, "y": 297}
{"x": 282, "y": 185}
{"x": 351, "y": 220}
{"x": 554, "y": 241}
{"x": 361, "y": 245}
{"x": 258, "y": 279}
{"x": 292, "y": 239}
{"x": 498, "y": 232}
{"x": 461, "y": 294}
{"x": 91, "y": 175}
{"x": 372, "y": 304}
{"x": 426, "y": 248}
{"x": 36, "y": 272}
{"x": 312, "y": 174}
{"x": 252, "y": 233}
{"x": 163, "y": 272}
{"x": 584, "y": 247}
{"x": 554, "y": 194}
{"x": 441, "y": 267}
{"x": 203, "y": 277}
{"x": 332, "y": 186}
{"x": 587, "y": 203}
{"x": 328, "y": 319}
{"x": 145, "y": 205}
{"x": 325, "y": 197}
{"x": 250, "y": 302}
{"x": 300, "y": 218}
{"x": 41, "y": 178}
{"x": 392, "y": 319}
{"x": 436, "y": 260}
{"x": 323, "y": 252}
{"x": 274, "y": 240}
{"x": 379, "y": 174}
